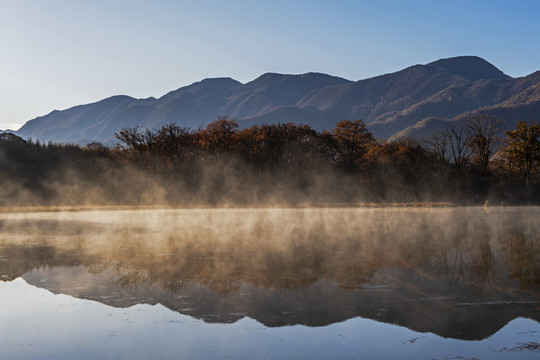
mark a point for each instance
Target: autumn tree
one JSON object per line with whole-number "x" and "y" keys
{"x": 219, "y": 136}
{"x": 133, "y": 147}
{"x": 97, "y": 148}
{"x": 275, "y": 138}
{"x": 522, "y": 146}
{"x": 405, "y": 169}
{"x": 348, "y": 143}
{"x": 249, "y": 144}
{"x": 287, "y": 144}
{"x": 173, "y": 144}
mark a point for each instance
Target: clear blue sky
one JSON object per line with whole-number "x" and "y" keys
{"x": 55, "y": 54}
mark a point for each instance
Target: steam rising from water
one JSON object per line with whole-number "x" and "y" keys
{"x": 457, "y": 272}
{"x": 275, "y": 246}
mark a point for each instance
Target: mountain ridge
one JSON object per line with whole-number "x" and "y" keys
{"x": 392, "y": 105}
{"x": 472, "y": 65}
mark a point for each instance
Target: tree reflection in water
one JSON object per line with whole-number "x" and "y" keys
{"x": 523, "y": 259}
{"x": 456, "y": 253}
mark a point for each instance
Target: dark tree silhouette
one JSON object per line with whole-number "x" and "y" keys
{"x": 460, "y": 152}
{"x": 482, "y": 138}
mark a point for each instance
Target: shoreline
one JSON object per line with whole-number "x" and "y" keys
{"x": 82, "y": 208}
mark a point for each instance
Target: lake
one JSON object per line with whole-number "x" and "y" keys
{"x": 269, "y": 283}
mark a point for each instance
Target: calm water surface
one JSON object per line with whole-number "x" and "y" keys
{"x": 441, "y": 283}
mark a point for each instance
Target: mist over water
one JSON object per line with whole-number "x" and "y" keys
{"x": 457, "y": 272}
{"x": 247, "y": 241}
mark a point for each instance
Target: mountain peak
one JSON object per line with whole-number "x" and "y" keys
{"x": 209, "y": 84}
{"x": 301, "y": 82}
{"x": 205, "y": 86}
{"x": 470, "y": 67}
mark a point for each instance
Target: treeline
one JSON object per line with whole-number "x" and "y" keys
{"x": 277, "y": 164}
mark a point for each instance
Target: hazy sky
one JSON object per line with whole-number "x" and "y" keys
{"x": 55, "y": 54}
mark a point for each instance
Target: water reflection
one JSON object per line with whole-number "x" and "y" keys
{"x": 458, "y": 272}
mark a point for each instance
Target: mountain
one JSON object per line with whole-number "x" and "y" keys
{"x": 412, "y": 102}
{"x": 191, "y": 106}
{"x": 417, "y": 303}
{"x": 521, "y": 103}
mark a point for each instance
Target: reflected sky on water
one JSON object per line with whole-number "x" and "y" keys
{"x": 363, "y": 282}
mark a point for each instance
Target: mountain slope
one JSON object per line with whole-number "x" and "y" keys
{"x": 520, "y": 102}
{"x": 410, "y": 102}
{"x": 190, "y": 106}
{"x": 391, "y": 102}
{"x": 270, "y": 91}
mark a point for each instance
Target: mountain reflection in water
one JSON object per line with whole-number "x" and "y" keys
{"x": 462, "y": 273}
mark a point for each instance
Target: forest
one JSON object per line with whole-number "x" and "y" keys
{"x": 277, "y": 164}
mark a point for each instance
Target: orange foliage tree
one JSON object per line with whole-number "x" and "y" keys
{"x": 348, "y": 143}
{"x": 219, "y": 136}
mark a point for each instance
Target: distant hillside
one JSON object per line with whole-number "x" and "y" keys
{"x": 522, "y": 103}
{"x": 411, "y": 102}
